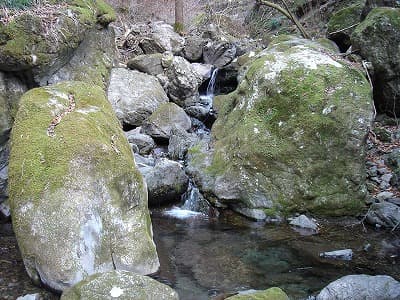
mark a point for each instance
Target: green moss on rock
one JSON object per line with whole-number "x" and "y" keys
{"x": 269, "y": 294}
{"x": 81, "y": 180}
{"x": 290, "y": 138}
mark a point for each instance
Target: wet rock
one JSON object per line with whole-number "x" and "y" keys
{"x": 304, "y": 222}
{"x": 385, "y": 214}
{"x": 167, "y": 116}
{"x": 377, "y": 38}
{"x": 91, "y": 62}
{"x": 166, "y": 181}
{"x": 193, "y": 50}
{"x": 269, "y": 294}
{"x": 345, "y": 254}
{"x": 183, "y": 80}
{"x": 143, "y": 142}
{"x": 255, "y": 214}
{"x": 219, "y": 53}
{"x": 179, "y": 143}
{"x": 134, "y": 95}
{"x": 5, "y": 213}
{"x": 85, "y": 170}
{"x": 360, "y": 287}
{"x": 119, "y": 285}
{"x": 149, "y": 63}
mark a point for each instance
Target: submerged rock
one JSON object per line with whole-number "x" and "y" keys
{"x": 291, "y": 136}
{"x": 134, "y": 95}
{"x": 121, "y": 285}
{"x": 361, "y": 287}
{"x": 78, "y": 203}
{"x": 345, "y": 254}
{"x": 269, "y": 294}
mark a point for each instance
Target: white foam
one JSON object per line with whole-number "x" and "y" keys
{"x": 179, "y": 213}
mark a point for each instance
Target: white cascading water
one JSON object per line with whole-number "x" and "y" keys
{"x": 207, "y": 99}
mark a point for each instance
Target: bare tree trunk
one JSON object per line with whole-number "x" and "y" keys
{"x": 178, "y": 16}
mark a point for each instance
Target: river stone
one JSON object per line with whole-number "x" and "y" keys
{"x": 344, "y": 254}
{"x": 149, "y": 63}
{"x": 166, "y": 181}
{"x": 144, "y": 142}
{"x": 274, "y": 293}
{"x": 161, "y": 38}
{"x": 291, "y": 136}
{"x": 91, "y": 62}
{"x": 183, "y": 79}
{"x": 378, "y": 40}
{"x": 78, "y": 203}
{"x": 219, "y": 53}
{"x": 28, "y": 44}
{"x": 385, "y": 214}
{"x": 361, "y": 287}
{"x": 167, "y": 116}
{"x": 120, "y": 285}
{"x": 179, "y": 143}
{"x": 30, "y": 297}
{"x": 134, "y": 95}
{"x": 193, "y": 50}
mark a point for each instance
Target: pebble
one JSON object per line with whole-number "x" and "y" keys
{"x": 304, "y": 222}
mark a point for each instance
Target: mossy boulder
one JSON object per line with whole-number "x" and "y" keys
{"x": 120, "y": 285}
{"x": 79, "y": 205}
{"x": 92, "y": 60}
{"x": 291, "y": 136}
{"x": 378, "y": 39}
{"x": 342, "y": 24}
{"x": 42, "y": 45}
{"x": 269, "y": 294}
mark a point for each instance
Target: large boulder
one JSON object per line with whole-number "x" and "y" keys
{"x": 371, "y": 4}
{"x": 167, "y": 116}
{"x": 41, "y": 46}
{"x": 134, "y": 95}
{"x": 120, "y": 285}
{"x": 79, "y": 205}
{"x": 360, "y": 287}
{"x": 166, "y": 181}
{"x": 143, "y": 142}
{"x": 183, "y": 80}
{"x": 91, "y": 62}
{"x": 378, "y": 39}
{"x": 291, "y": 136}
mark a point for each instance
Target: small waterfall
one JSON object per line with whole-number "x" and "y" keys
{"x": 207, "y": 99}
{"x": 211, "y": 84}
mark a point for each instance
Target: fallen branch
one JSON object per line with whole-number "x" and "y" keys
{"x": 344, "y": 29}
{"x": 286, "y": 12}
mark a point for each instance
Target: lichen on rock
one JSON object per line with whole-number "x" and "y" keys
{"x": 291, "y": 136}
{"x": 79, "y": 205}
